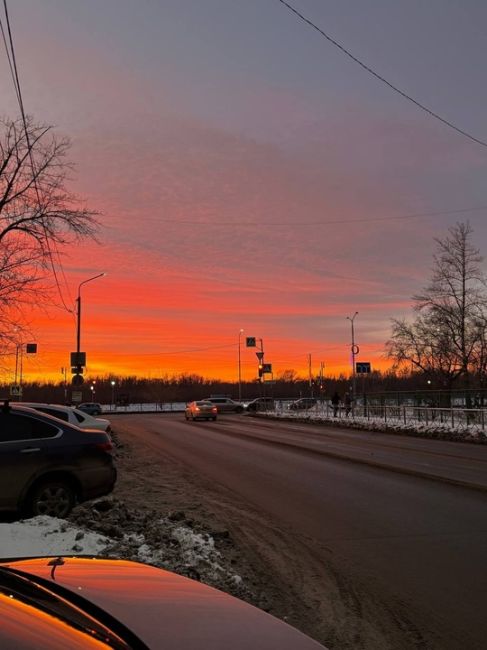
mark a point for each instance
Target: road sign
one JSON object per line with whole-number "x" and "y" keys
{"x": 16, "y": 391}
{"x": 362, "y": 367}
{"x": 259, "y": 355}
{"x": 77, "y": 380}
{"x": 267, "y": 367}
{"x": 78, "y": 358}
{"x": 31, "y": 348}
{"x": 76, "y": 396}
{"x": 250, "y": 341}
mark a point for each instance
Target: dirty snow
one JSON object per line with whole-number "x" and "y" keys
{"x": 47, "y": 536}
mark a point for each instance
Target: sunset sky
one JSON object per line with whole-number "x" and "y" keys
{"x": 249, "y": 174}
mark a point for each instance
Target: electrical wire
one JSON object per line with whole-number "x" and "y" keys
{"x": 9, "y": 59}
{"x": 335, "y": 221}
{"x": 16, "y": 80}
{"x": 188, "y": 351}
{"x": 380, "y": 77}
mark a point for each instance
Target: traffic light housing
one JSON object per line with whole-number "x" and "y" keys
{"x": 261, "y": 370}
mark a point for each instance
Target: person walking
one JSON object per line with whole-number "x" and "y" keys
{"x": 335, "y": 400}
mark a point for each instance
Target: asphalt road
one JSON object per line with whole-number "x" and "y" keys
{"x": 421, "y": 542}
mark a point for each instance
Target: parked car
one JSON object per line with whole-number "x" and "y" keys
{"x": 261, "y": 404}
{"x": 92, "y": 408}
{"x": 72, "y": 415}
{"x": 225, "y": 404}
{"x": 87, "y": 603}
{"x": 47, "y": 465}
{"x": 303, "y": 403}
{"x": 202, "y": 410}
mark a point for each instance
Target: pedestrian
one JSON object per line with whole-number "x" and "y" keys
{"x": 335, "y": 400}
{"x": 348, "y": 403}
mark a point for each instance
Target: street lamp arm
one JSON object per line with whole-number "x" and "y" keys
{"x": 78, "y": 311}
{"x": 100, "y": 275}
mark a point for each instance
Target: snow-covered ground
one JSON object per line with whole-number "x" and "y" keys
{"x": 428, "y": 428}
{"x": 108, "y": 528}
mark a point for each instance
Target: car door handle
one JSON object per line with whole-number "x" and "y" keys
{"x": 30, "y": 450}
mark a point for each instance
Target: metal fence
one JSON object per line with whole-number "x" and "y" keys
{"x": 393, "y": 414}
{"x": 448, "y": 417}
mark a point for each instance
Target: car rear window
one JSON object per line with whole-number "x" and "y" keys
{"x": 57, "y": 414}
{"x": 16, "y": 426}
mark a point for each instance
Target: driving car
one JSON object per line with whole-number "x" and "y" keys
{"x": 72, "y": 415}
{"x": 225, "y": 404}
{"x": 47, "y": 465}
{"x": 92, "y": 408}
{"x": 86, "y": 603}
{"x": 200, "y": 410}
{"x": 303, "y": 404}
{"x": 260, "y": 404}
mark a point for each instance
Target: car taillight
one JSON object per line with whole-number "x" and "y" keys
{"x": 104, "y": 446}
{"x": 197, "y": 408}
{"x": 214, "y": 409}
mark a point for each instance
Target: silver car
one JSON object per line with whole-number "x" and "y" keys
{"x": 71, "y": 415}
{"x": 202, "y": 410}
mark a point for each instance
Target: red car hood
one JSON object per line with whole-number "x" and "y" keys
{"x": 168, "y": 611}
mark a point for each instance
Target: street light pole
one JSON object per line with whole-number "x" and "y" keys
{"x": 78, "y": 311}
{"x": 355, "y": 350}
{"x": 239, "y": 366}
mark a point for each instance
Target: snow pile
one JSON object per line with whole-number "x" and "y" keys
{"x": 431, "y": 429}
{"x": 108, "y": 528}
{"x": 172, "y": 542}
{"x": 48, "y": 536}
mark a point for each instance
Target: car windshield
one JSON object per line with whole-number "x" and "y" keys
{"x": 48, "y": 597}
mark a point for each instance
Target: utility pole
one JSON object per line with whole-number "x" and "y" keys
{"x": 310, "y": 375}
{"x": 322, "y": 371}
{"x": 355, "y": 351}
{"x": 240, "y": 332}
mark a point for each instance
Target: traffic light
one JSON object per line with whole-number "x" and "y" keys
{"x": 261, "y": 370}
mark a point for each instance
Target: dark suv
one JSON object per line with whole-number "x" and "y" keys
{"x": 225, "y": 404}
{"x": 47, "y": 465}
{"x": 92, "y": 408}
{"x": 261, "y": 404}
{"x": 303, "y": 404}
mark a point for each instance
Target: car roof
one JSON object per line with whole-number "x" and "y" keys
{"x": 38, "y": 414}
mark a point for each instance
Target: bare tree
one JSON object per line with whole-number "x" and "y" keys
{"x": 37, "y": 212}
{"x": 446, "y": 340}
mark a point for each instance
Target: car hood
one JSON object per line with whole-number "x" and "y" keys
{"x": 166, "y": 610}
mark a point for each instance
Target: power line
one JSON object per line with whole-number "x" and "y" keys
{"x": 323, "y": 223}
{"x": 9, "y": 60}
{"x": 188, "y": 351}
{"x": 15, "y": 77}
{"x": 380, "y": 78}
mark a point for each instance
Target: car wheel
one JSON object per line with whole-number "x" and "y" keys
{"x": 239, "y": 409}
{"x": 54, "y": 498}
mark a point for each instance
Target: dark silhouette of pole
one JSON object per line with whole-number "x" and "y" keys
{"x": 78, "y": 312}
{"x": 239, "y": 366}
{"x": 354, "y": 352}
